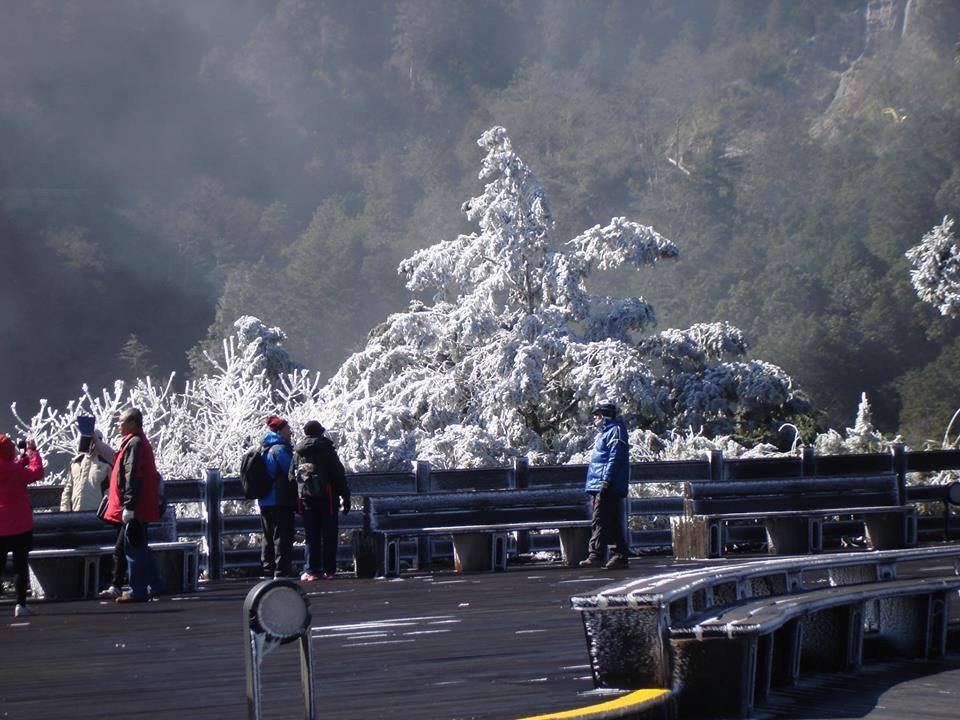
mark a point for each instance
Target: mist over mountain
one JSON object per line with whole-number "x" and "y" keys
{"x": 170, "y": 165}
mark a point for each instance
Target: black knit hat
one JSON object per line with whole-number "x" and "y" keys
{"x": 606, "y": 409}
{"x": 313, "y": 429}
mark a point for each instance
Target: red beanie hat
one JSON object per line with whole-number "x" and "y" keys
{"x": 276, "y": 423}
{"x": 8, "y": 450}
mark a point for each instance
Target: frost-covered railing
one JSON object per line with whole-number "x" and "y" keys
{"x": 655, "y": 495}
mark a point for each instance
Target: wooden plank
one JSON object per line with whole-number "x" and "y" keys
{"x": 492, "y": 478}
{"x": 933, "y": 460}
{"x": 752, "y": 468}
{"x": 859, "y": 463}
{"x": 429, "y": 646}
{"x": 435, "y": 647}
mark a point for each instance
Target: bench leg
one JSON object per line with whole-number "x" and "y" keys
{"x": 939, "y": 619}
{"x": 498, "y": 558}
{"x": 889, "y": 531}
{"x": 764, "y": 669}
{"x": 173, "y": 565}
{"x": 628, "y": 648}
{"x": 473, "y": 552}
{"x": 790, "y": 536}
{"x": 368, "y": 554}
{"x": 785, "y": 663}
{"x": 91, "y": 576}
{"x": 718, "y": 676}
{"x": 391, "y": 557}
{"x": 191, "y": 569}
{"x": 574, "y": 544}
{"x": 696, "y": 537}
{"x": 854, "y": 574}
{"x": 909, "y": 626}
{"x": 63, "y": 578}
{"x": 832, "y": 640}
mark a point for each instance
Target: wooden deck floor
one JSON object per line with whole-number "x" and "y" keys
{"x": 439, "y": 646}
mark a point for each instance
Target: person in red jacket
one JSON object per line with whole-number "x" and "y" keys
{"x": 134, "y": 502}
{"x": 16, "y": 515}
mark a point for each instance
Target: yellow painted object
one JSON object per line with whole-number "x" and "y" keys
{"x": 637, "y": 701}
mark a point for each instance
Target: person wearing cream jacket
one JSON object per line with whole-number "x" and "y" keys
{"x": 89, "y": 478}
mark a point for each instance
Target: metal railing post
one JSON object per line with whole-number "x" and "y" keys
{"x": 808, "y": 462}
{"x": 521, "y": 480}
{"x": 214, "y": 518}
{"x": 899, "y": 457}
{"x": 716, "y": 466}
{"x": 421, "y": 471}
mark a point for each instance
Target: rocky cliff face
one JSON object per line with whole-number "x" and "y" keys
{"x": 880, "y": 39}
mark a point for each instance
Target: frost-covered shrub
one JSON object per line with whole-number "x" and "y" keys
{"x": 208, "y": 424}
{"x": 935, "y": 269}
{"x": 863, "y": 437}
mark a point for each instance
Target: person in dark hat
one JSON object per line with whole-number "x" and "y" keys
{"x": 88, "y": 478}
{"x": 608, "y": 482}
{"x": 277, "y": 508}
{"x": 322, "y": 491}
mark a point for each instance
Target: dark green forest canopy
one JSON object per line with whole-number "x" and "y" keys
{"x": 168, "y": 166}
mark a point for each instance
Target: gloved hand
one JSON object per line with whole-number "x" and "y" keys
{"x": 128, "y": 515}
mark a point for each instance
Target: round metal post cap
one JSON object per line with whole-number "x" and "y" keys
{"x": 279, "y": 609}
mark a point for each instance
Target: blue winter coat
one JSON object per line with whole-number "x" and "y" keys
{"x": 278, "y": 454}
{"x": 610, "y": 462}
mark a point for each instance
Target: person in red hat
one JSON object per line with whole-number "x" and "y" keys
{"x": 277, "y": 508}
{"x": 16, "y": 514}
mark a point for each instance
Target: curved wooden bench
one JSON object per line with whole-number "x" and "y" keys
{"x": 627, "y": 624}
{"x": 727, "y": 661}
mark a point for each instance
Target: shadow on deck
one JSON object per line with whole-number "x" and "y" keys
{"x": 439, "y": 645}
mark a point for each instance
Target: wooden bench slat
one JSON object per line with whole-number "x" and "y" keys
{"x": 823, "y": 511}
{"x": 767, "y": 614}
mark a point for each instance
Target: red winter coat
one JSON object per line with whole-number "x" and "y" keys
{"x": 133, "y": 481}
{"x": 16, "y": 515}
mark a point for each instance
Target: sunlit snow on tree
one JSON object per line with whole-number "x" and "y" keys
{"x": 935, "y": 269}
{"x": 515, "y": 349}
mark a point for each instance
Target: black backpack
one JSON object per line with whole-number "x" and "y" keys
{"x": 254, "y": 477}
{"x": 312, "y": 482}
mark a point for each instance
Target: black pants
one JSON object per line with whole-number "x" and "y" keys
{"x": 119, "y": 560}
{"x": 20, "y": 545}
{"x": 322, "y": 532}
{"x": 607, "y": 526}
{"x": 276, "y": 541}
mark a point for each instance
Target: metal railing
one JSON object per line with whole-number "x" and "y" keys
{"x": 214, "y": 525}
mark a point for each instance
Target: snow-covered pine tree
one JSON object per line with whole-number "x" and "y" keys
{"x": 515, "y": 349}
{"x": 935, "y": 268}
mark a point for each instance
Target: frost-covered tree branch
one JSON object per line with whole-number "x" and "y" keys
{"x": 935, "y": 269}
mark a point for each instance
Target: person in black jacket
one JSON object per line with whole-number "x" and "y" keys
{"x": 322, "y": 491}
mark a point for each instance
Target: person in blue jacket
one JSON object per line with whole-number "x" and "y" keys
{"x": 277, "y": 508}
{"x": 608, "y": 482}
